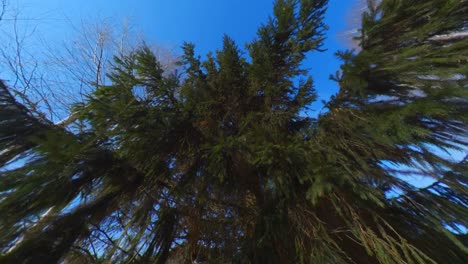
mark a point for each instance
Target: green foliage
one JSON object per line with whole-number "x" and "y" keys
{"x": 219, "y": 165}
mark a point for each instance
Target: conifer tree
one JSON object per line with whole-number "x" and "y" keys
{"x": 219, "y": 164}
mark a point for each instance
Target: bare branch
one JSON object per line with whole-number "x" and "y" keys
{"x": 3, "y": 4}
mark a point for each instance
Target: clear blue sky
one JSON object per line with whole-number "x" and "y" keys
{"x": 170, "y": 22}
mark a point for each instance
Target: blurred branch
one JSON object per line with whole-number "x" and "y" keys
{"x": 3, "y": 9}
{"x": 450, "y": 36}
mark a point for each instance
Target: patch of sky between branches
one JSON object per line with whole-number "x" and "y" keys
{"x": 416, "y": 176}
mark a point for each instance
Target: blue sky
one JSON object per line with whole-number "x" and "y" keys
{"x": 171, "y": 22}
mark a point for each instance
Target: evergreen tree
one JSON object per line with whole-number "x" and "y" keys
{"x": 220, "y": 165}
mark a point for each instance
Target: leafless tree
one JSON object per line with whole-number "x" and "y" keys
{"x": 85, "y": 62}
{"x": 48, "y": 83}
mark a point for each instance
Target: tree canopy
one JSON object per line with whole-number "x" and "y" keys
{"x": 217, "y": 162}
